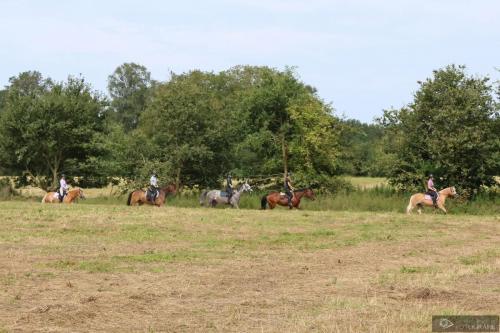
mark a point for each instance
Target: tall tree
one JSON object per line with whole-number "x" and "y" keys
{"x": 362, "y": 151}
{"x": 3, "y": 97}
{"x": 48, "y": 127}
{"x": 130, "y": 87}
{"x": 448, "y": 130}
{"x": 284, "y": 125}
{"x": 187, "y": 122}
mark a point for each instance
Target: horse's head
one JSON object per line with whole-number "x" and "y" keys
{"x": 172, "y": 189}
{"x": 449, "y": 191}
{"x": 246, "y": 187}
{"x": 80, "y": 194}
{"x": 453, "y": 191}
{"x": 308, "y": 193}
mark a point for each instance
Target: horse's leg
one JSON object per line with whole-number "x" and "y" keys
{"x": 440, "y": 206}
{"x": 297, "y": 203}
{"x": 409, "y": 208}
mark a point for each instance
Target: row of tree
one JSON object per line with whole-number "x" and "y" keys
{"x": 251, "y": 121}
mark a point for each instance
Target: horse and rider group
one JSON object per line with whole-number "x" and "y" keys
{"x": 290, "y": 197}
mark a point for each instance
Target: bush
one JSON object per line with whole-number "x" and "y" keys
{"x": 6, "y": 188}
{"x": 322, "y": 183}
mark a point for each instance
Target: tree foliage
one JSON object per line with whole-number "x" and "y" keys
{"x": 48, "y": 127}
{"x": 284, "y": 125}
{"x": 253, "y": 121}
{"x": 362, "y": 150}
{"x": 448, "y": 130}
{"x": 189, "y": 126}
{"x": 129, "y": 87}
{"x": 249, "y": 120}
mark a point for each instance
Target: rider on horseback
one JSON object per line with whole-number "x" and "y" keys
{"x": 431, "y": 190}
{"x": 153, "y": 186}
{"x": 289, "y": 189}
{"x": 63, "y": 187}
{"x": 229, "y": 187}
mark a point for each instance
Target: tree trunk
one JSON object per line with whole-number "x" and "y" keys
{"x": 54, "y": 177}
{"x": 284, "y": 150}
{"x": 178, "y": 179}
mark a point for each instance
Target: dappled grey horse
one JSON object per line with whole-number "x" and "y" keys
{"x": 213, "y": 197}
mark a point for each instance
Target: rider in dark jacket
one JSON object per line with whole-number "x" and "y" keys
{"x": 289, "y": 190}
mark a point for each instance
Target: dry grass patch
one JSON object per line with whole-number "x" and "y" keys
{"x": 117, "y": 268}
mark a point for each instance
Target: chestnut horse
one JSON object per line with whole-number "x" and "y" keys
{"x": 70, "y": 197}
{"x": 276, "y": 198}
{"x": 138, "y": 197}
{"x": 421, "y": 199}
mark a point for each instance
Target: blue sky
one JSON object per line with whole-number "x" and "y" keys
{"x": 362, "y": 56}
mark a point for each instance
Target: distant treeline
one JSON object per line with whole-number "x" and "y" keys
{"x": 251, "y": 121}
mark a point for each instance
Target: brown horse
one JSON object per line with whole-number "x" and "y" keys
{"x": 421, "y": 199}
{"x": 138, "y": 197}
{"x": 276, "y": 198}
{"x": 71, "y": 196}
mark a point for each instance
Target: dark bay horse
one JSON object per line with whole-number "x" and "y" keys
{"x": 138, "y": 197}
{"x": 71, "y": 196}
{"x": 276, "y": 198}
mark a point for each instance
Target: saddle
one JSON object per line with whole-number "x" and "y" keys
{"x": 57, "y": 195}
{"x": 428, "y": 196}
{"x": 152, "y": 195}
{"x": 224, "y": 194}
{"x": 284, "y": 196}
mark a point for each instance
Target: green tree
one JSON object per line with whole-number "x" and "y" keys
{"x": 130, "y": 88}
{"x": 47, "y": 127}
{"x": 448, "y": 130}
{"x": 284, "y": 125}
{"x": 3, "y": 97}
{"x": 188, "y": 123}
{"x": 362, "y": 152}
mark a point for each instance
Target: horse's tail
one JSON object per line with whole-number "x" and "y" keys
{"x": 129, "y": 198}
{"x": 43, "y": 199}
{"x": 203, "y": 197}
{"x": 410, "y": 206}
{"x": 263, "y": 202}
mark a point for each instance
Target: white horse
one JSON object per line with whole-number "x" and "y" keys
{"x": 214, "y": 197}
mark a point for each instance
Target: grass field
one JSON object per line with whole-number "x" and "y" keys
{"x": 115, "y": 268}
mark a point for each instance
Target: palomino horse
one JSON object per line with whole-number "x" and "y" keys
{"x": 421, "y": 199}
{"x": 138, "y": 197}
{"x": 71, "y": 196}
{"x": 214, "y": 197}
{"x": 276, "y": 198}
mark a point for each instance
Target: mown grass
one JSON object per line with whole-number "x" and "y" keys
{"x": 195, "y": 234}
{"x": 315, "y": 268}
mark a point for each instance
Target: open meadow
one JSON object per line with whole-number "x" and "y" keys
{"x": 113, "y": 268}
